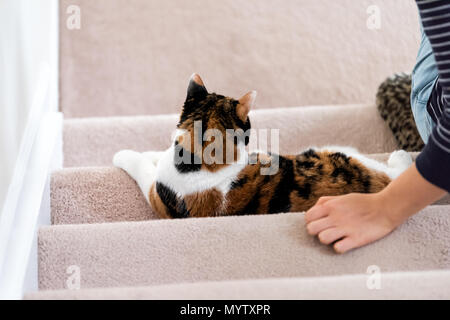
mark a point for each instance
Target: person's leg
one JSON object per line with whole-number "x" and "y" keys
{"x": 423, "y": 120}
{"x": 435, "y": 102}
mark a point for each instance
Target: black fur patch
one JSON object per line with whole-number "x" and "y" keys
{"x": 253, "y": 205}
{"x": 177, "y": 208}
{"x": 196, "y": 108}
{"x": 320, "y": 169}
{"x": 340, "y": 156}
{"x": 244, "y": 135}
{"x": 365, "y": 179}
{"x": 346, "y": 174}
{"x": 195, "y": 90}
{"x": 245, "y": 126}
{"x": 310, "y": 154}
{"x": 301, "y": 165}
{"x": 239, "y": 183}
{"x": 280, "y": 201}
{"x": 367, "y": 184}
{"x": 192, "y": 164}
{"x": 304, "y": 191}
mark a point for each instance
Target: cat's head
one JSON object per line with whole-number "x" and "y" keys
{"x": 210, "y": 113}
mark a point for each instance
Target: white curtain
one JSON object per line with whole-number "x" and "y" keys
{"x": 27, "y": 39}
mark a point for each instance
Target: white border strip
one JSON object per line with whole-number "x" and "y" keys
{"x": 27, "y": 212}
{"x": 23, "y": 207}
{"x": 37, "y": 110}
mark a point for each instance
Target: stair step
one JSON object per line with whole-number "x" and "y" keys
{"x": 228, "y": 248}
{"x": 405, "y": 285}
{"x": 94, "y": 141}
{"x": 96, "y": 195}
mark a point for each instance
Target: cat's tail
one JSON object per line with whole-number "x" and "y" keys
{"x": 398, "y": 162}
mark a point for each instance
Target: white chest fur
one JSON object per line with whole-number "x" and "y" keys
{"x": 193, "y": 182}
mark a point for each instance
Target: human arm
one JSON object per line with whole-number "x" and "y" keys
{"x": 355, "y": 220}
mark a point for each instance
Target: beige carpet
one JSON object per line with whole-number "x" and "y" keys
{"x": 231, "y": 248}
{"x": 405, "y": 285}
{"x": 134, "y": 57}
{"x": 359, "y": 126}
{"x": 93, "y": 209}
{"x": 93, "y": 192}
{"x": 106, "y": 194}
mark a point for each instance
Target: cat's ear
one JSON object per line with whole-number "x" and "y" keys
{"x": 196, "y": 87}
{"x": 246, "y": 103}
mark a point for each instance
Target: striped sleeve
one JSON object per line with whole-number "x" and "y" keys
{"x": 434, "y": 161}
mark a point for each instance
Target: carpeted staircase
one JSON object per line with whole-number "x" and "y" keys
{"x": 104, "y": 231}
{"x": 103, "y": 226}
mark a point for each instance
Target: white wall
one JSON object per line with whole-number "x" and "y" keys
{"x": 27, "y": 42}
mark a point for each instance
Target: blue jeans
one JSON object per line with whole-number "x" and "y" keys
{"x": 424, "y": 122}
{"x": 424, "y": 77}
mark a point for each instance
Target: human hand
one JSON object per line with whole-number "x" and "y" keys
{"x": 350, "y": 221}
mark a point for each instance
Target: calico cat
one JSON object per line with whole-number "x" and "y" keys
{"x": 243, "y": 183}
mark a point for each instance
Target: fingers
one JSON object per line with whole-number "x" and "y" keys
{"x": 345, "y": 245}
{"x": 319, "y": 223}
{"x": 318, "y": 226}
{"x": 318, "y": 211}
{"x": 330, "y": 235}
{"x": 322, "y": 200}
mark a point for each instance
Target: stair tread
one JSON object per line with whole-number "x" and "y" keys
{"x": 94, "y": 141}
{"x": 93, "y": 195}
{"x": 105, "y": 194}
{"x": 398, "y": 285}
{"x": 228, "y": 248}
